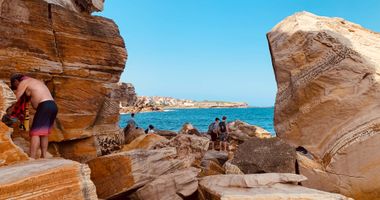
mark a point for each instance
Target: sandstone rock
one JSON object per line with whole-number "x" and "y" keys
{"x": 230, "y": 168}
{"x": 328, "y": 99}
{"x": 189, "y": 147}
{"x": 81, "y": 150}
{"x": 167, "y": 134}
{"x": 46, "y": 179}
{"x": 219, "y": 156}
{"x": 87, "y": 6}
{"x": 146, "y": 141}
{"x": 7, "y": 98}
{"x": 188, "y": 128}
{"x": 265, "y": 155}
{"x": 80, "y": 58}
{"x": 117, "y": 173}
{"x": 131, "y": 134}
{"x": 127, "y": 94}
{"x": 9, "y": 152}
{"x": 171, "y": 186}
{"x": 211, "y": 167}
{"x": 242, "y": 131}
{"x": 259, "y": 186}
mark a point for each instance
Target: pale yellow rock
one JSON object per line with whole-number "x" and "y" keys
{"x": 269, "y": 186}
{"x": 231, "y": 168}
{"x": 46, "y": 179}
{"x": 146, "y": 141}
{"x": 171, "y": 186}
{"x": 118, "y": 173}
{"x": 190, "y": 148}
{"x": 327, "y": 73}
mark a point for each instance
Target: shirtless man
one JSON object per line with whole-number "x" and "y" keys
{"x": 46, "y": 110}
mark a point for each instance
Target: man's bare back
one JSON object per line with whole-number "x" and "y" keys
{"x": 35, "y": 89}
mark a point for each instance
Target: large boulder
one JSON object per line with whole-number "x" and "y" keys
{"x": 79, "y": 57}
{"x": 328, "y": 99}
{"x": 118, "y": 173}
{"x": 146, "y": 141}
{"x": 190, "y": 148}
{"x": 259, "y": 186}
{"x": 46, "y": 179}
{"x": 265, "y": 155}
{"x": 173, "y": 186}
{"x": 242, "y": 131}
{"x": 131, "y": 134}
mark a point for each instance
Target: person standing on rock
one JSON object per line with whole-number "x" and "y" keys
{"x": 223, "y": 134}
{"x": 213, "y": 132}
{"x": 46, "y": 110}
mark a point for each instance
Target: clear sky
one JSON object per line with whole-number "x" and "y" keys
{"x": 214, "y": 49}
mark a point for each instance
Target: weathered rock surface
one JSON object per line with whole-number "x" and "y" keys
{"x": 127, "y": 94}
{"x": 80, "y": 58}
{"x": 117, "y": 173}
{"x": 131, "y": 134}
{"x": 230, "y": 168}
{"x": 9, "y": 152}
{"x": 171, "y": 186}
{"x": 242, "y": 131}
{"x": 86, "y": 6}
{"x": 146, "y": 141}
{"x": 190, "y": 148}
{"x": 264, "y": 156}
{"x": 259, "y": 186}
{"x": 327, "y": 72}
{"x": 7, "y": 98}
{"x": 168, "y": 134}
{"x": 46, "y": 179}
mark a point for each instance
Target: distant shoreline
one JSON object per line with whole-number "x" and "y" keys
{"x": 190, "y": 108}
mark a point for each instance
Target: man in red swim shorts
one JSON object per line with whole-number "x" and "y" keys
{"x": 46, "y": 110}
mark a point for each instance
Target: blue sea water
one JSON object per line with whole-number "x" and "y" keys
{"x": 202, "y": 117}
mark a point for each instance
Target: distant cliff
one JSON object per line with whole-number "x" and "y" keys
{"x": 130, "y": 102}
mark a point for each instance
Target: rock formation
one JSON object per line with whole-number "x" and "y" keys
{"x": 171, "y": 186}
{"x": 80, "y": 6}
{"x": 146, "y": 141}
{"x": 265, "y": 156}
{"x": 259, "y": 186}
{"x": 327, "y": 72}
{"x": 46, "y": 179}
{"x": 190, "y": 148}
{"x": 80, "y": 57}
{"x": 242, "y": 131}
{"x": 118, "y": 173}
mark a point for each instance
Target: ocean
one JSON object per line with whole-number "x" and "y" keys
{"x": 202, "y": 117}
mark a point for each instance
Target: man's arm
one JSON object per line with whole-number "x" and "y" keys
{"x": 21, "y": 89}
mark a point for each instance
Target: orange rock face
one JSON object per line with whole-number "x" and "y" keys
{"x": 9, "y": 152}
{"x": 80, "y": 57}
{"x": 115, "y": 174}
{"x": 46, "y": 179}
{"x": 144, "y": 142}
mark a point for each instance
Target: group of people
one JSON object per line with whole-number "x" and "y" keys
{"x": 219, "y": 132}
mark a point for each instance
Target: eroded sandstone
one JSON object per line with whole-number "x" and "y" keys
{"x": 327, "y": 73}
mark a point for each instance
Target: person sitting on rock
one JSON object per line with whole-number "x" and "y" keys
{"x": 150, "y": 129}
{"x": 213, "y": 132}
{"x": 46, "y": 110}
{"x": 223, "y": 134}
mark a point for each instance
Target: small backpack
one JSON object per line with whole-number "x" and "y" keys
{"x": 210, "y": 128}
{"x": 222, "y": 126}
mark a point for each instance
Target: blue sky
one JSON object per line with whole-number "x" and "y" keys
{"x": 214, "y": 49}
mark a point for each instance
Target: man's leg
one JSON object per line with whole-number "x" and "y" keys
{"x": 34, "y": 145}
{"x": 44, "y": 146}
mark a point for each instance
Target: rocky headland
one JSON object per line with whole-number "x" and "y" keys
{"x": 326, "y": 108}
{"x": 130, "y": 102}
